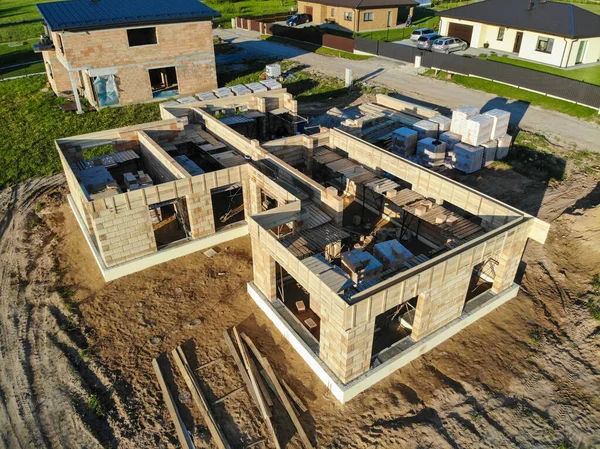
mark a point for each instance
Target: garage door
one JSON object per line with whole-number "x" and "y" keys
{"x": 461, "y": 31}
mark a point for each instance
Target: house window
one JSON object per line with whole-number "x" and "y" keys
{"x": 60, "y": 43}
{"x": 332, "y": 12}
{"x": 141, "y": 36}
{"x": 501, "y": 31}
{"x": 347, "y": 16}
{"x": 544, "y": 44}
{"x": 368, "y": 17}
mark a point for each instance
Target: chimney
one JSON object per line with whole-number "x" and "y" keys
{"x": 531, "y": 4}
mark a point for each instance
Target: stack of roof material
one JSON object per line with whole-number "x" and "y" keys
{"x": 223, "y": 92}
{"x": 404, "y": 141}
{"x": 240, "y": 89}
{"x": 271, "y": 84}
{"x": 257, "y": 87}
{"x": 489, "y": 152}
{"x": 190, "y": 166}
{"x": 206, "y": 96}
{"x": 432, "y": 152}
{"x": 137, "y": 181}
{"x": 450, "y": 139}
{"x": 477, "y": 130}
{"x": 426, "y": 128}
{"x": 500, "y": 120}
{"x": 460, "y": 116}
{"x": 468, "y": 158}
{"x": 503, "y": 146}
{"x": 442, "y": 121}
{"x": 188, "y": 99}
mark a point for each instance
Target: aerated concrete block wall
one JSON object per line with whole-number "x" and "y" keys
{"x": 493, "y": 213}
{"x": 159, "y": 165}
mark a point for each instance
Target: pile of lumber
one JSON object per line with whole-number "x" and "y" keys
{"x": 259, "y": 377}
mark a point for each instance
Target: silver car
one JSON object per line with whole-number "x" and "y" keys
{"x": 424, "y": 42}
{"x": 449, "y": 45}
{"x": 420, "y": 32}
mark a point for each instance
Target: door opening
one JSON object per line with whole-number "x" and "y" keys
{"x": 518, "y": 40}
{"x": 163, "y": 82}
{"x": 581, "y": 52}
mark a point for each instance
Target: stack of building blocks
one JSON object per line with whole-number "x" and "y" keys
{"x": 432, "y": 152}
{"x": 477, "y": 130}
{"x": 223, "y": 92}
{"x": 271, "y": 84}
{"x": 489, "y": 152}
{"x": 503, "y": 146}
{"x": 206, "y": 96}
{"x": 257, "y": 87}
{"x": 404, "y": 141}
{"x": 442, "y": 121}
{"x": 359, "y": 264}
{"x": 500, "y": 121}
{"x": 426, "y": 128}
{"x": 450, "y": 139}
{"x": 468, "y": 158}
{"x": 391, "y": 253}
{"x": 460, "y": 116}
{"x": 240, "y": 89}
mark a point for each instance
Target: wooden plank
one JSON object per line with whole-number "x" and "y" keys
{"x": 262, "y": 386}
{"x": 242, "y": 370}
{"x": 182, "y": 434}
{"x": 263, "y": 406}
{"x": 192, "y": 383}
{"x": 280, "y": 392}
{"x": 231, "y": 393}
{"x": 293, "y": 396}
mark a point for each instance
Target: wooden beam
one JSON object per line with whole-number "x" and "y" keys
{"x": 231, "y": 393}
{"x": 261, "y": 384}
{"x": 192, "y": 383}
{"x": 263, "y": 405}
{"x": 293, "y": 396}
{"x": 182, "y": 434}
{"x": 280, "y": 393}
{"x": 242, "y": 370}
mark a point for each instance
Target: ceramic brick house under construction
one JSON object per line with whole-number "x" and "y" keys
{"x": 116, "y": 53}
{"x": 362, "y": 259}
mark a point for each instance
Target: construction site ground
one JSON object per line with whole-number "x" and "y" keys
{"x": 76, "y": 353}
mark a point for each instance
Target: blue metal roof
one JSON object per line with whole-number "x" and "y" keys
{"x": 99, "y": 14}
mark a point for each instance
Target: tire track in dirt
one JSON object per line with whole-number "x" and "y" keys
{"x": 36, "y": 406}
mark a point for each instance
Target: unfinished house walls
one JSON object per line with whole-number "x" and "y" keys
{"x": 57, "y": 75}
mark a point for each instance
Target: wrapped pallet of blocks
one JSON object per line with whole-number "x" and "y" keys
{"x": 489, "y": 152}
{"x": 477, "y": 130}
{"x": 404, "y": 142}
{"x": 460, "y": 116}
{"x": 432, "y": 152}
{"x": 450, "y": 139}
{"x": 500, "y": 120}
{"x": 442, "y": 121}
{"x": 425, "y": 128}
{"x": 503, "y": 146}
{"x": 468, "y": 158}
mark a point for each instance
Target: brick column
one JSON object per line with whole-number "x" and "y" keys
{"x": 439, "y": 306}
{"x": 265, "y": 276}
{"x": 346, "y": 353}
{"x": 508, "y": 264}
{"x": 202, "y": 221}
{"x": 251, "y": 194}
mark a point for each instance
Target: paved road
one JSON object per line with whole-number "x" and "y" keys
{"x": 558, "y": 128}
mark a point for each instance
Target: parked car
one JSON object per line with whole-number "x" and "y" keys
{"x": 298, "y": 19}
{"x": 420, "y": 32}
{"x": 424, "y": 42}
{"x": 449, "y": 45}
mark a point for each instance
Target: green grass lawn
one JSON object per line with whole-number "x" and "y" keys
{"x": 589, "y": 74}
{"x": 248, "y": 8}
{"x": 30, "y": 120}
{"x": 18, "y": 55}
{"x": 505, "y": 91}
{"x": 423, "y": 18}
{"x": 593, "y": 7}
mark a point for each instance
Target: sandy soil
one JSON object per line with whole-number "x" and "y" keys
{"x": 527, "y": 375}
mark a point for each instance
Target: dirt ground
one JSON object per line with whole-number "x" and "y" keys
{"x": 75, "y": 353}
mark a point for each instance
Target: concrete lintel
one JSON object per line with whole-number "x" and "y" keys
{"x": 124, "y": 269}
{"x": 344, "y": 392}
